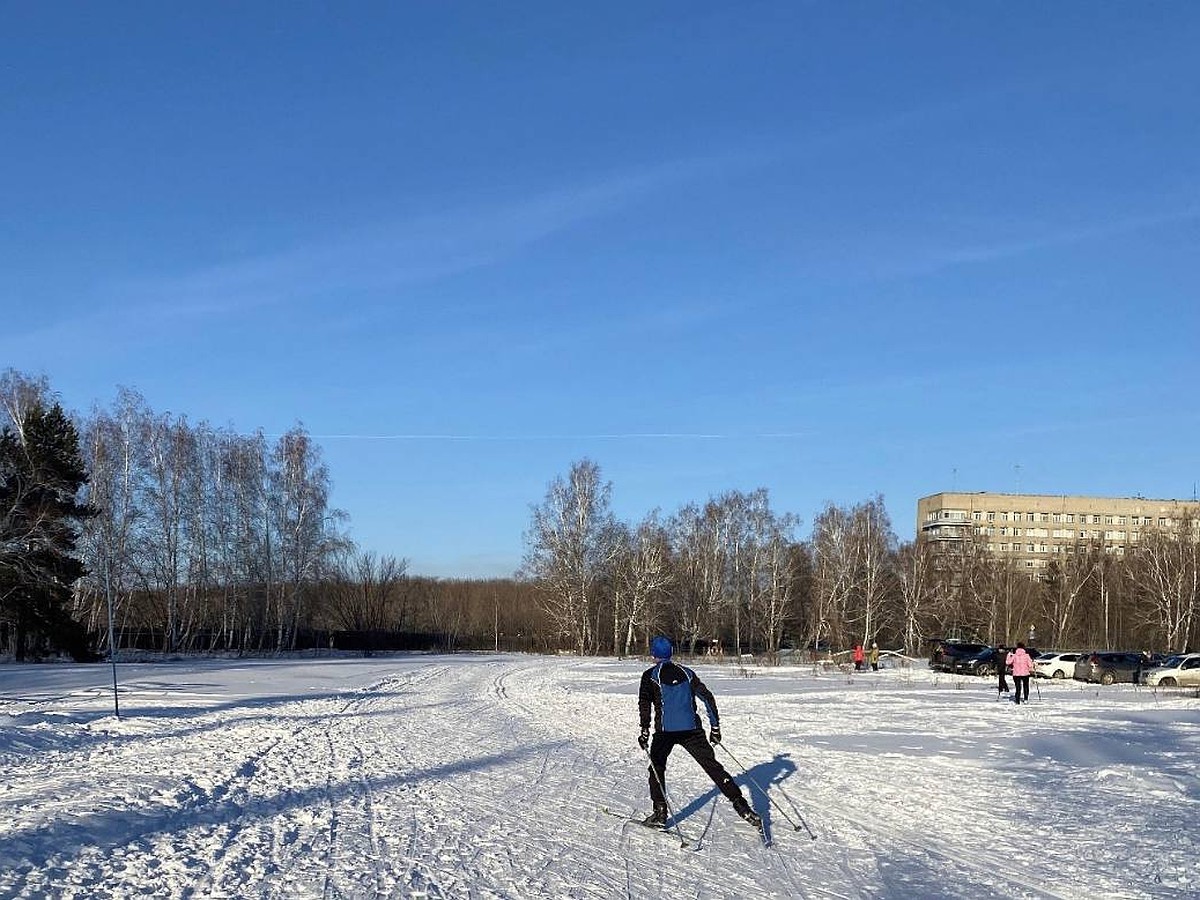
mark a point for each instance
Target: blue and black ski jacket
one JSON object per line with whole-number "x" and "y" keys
{"x": 672, "y": 690}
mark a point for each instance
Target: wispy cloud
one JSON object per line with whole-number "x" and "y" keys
{"x": 416, "y": 249}
{"x": 898, "y": 255}
{"x": 380, "y": 256}
{"x": 1066, "y": 236}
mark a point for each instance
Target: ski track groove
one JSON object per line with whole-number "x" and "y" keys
{"x": 242, "y": 843}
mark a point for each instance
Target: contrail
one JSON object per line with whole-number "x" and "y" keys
{"x": 633, "y": 435}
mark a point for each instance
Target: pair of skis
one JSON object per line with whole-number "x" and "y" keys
{"x": 684, "y": 843}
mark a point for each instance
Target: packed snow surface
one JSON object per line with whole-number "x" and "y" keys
{"x": 474, "y": 776}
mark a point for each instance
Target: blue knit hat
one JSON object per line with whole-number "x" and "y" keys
{"x": 660, "y": 648}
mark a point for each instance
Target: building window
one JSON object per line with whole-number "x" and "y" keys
{"x": 1045, "y": 517}
{"x": 1031, "y": 517}
{"x": 978, "y": 516}
{"x": 1070, "y": 518}
{"x": 991, "y": 517}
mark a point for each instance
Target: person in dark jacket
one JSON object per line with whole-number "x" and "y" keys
{"x": 671, "y": 691}
{"x": 1001, "y": 659}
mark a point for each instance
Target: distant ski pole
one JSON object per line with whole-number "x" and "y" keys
{"x": 770, "y": 799}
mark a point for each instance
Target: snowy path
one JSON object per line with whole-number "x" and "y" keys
{"x": 485, "y": 777}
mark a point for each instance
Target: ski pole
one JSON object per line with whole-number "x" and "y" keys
{"x": 770, "y": 799}
{"x": 683, "y": 841}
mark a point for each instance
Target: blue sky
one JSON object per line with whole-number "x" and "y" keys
{"x": 829, "y": 249}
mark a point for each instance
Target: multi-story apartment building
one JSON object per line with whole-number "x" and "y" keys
{"x": 1033, "y": 529}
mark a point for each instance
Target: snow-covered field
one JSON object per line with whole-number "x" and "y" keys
{"x": 486, "y": 776}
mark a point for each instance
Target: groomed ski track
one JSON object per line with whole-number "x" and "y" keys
{"x": 455, "y": 777}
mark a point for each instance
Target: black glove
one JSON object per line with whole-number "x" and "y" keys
{"x": 644, "y": 738}
{"x": 714, "y": 735}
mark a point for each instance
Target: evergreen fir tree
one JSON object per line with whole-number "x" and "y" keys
{"x": 41, "y": 473}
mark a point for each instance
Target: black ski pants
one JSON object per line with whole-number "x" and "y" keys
{"x": 695, "y": 743}
{"x": 1021, "y": 686}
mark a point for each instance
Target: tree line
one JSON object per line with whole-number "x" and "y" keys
{"x": 195, "y": 538}
{"x": 734, "y": 574}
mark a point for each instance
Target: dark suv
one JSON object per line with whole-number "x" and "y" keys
{"x": 1109, "y": 667}
{"x": 968, "y": 659}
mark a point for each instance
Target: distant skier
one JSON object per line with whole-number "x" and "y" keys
{"x": 858, "y": 657}
{"x": 1001, "y": 658}
{"x": 671, "y": 690}
{"x": 1022, "y": 668}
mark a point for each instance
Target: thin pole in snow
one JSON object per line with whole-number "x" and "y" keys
{"x": 112, "y": 641}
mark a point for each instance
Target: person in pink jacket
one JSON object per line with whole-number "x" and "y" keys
{"x": 1022, "y": 668}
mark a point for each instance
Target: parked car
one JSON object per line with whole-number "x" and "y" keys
{"x": 964, "y": 658}
{"x": 1182, "y": 670}
{"x": 1109, "y": 667}
{"x": 1056, "y": 665}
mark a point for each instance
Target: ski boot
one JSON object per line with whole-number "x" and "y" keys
{"x": 658, "y": 818}
{"x": 742, "y": 808}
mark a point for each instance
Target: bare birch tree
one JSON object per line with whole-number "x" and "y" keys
{"x": 1165, "y": 573}
{"x": 914, "y": 572}
{"x": 699, "y": 551}
{"x": 641, "y": 573}
{"x": 835, "y": 574}
{"x": 568, "y": 551}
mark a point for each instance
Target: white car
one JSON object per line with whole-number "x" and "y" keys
{"x": 1183, "y": 670}
{"x": 1056, "y": 665}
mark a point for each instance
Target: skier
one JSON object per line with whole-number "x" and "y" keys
{"x": 1022, "y": 668}
{"x": 672, "y": 689}
{"x": 1001, "y": 658}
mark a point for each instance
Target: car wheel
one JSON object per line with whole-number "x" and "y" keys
{"x": 1167, "y": 682}
{"x": 1107, "y": 678}
{"x": 1059, "y": 673}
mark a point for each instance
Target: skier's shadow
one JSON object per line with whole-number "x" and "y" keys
{"x": 764, "y": 775}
